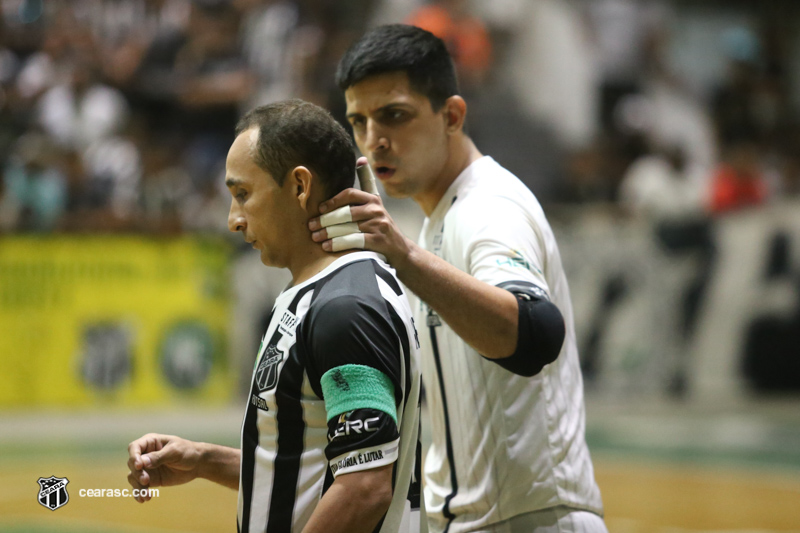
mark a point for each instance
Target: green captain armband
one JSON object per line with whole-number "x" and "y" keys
{"x": 350, "y": 387}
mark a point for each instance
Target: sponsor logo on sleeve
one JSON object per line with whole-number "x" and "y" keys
{"x": 348, "y": 426}
{"x": 259, "y": 402}
{"x": 517, "y": 260}
{"x": 365, "y": 459}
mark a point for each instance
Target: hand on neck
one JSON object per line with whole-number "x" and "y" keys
{"x": 308, "y": 258}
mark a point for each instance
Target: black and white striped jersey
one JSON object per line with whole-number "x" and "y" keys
{"x": 349, "y": 321}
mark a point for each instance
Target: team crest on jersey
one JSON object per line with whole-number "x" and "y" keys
{"x": 53, "y": 492}
{"x": 267, "y": 371}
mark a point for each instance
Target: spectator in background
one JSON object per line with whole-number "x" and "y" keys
{"x": 125, "y": 30}
{"x": 212, "y": 79}
{"x": 626, "y": 37}
{"x": 589, "y": 174}
{"x": 551, "y": 67}
{"x": 165, "y": 185}
{"x": 105, "y": 187}
{"x": 50, "y": 64}
{"x": 752, "y": 100}
{"x": 788, "y": 187}
{"x": 35, "y": 188}
{"x": 82, "y": 109}
{"x": 664, "y": 189}
{"x": 738, "y": 182}
{"x": 9, "y": 65}
{"x": 270, "y": 43}
{"x": 39, "y": 71}
{"x": 465, "y": 35}
{"x": 660, "y": 185}
{"x": 204, "y": 210}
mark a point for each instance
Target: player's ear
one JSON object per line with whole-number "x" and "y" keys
{"x": 301, "y": 182}
{"x": 455, "y": 113}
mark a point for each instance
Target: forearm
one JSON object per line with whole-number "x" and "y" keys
{"x": 354, "y": 503}
{"x": 219, "y": 464}
{"x": 486, "y": 317}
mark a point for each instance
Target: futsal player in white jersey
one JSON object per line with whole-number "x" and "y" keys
{"x": 500, "y": 363}
{"x": 330, "y": 432}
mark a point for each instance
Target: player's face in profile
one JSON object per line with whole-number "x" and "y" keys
{"x": 257, "y": 207}
{"x": 396, "y": 128}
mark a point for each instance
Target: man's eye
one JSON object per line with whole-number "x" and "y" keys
{"x": 396, "y": 115}
{"x": 357, "y": 122}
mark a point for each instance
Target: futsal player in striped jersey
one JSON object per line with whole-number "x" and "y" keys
{"x": 330, "y": 432}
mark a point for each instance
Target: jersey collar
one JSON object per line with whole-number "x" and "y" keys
{"x": 346, "y": 259}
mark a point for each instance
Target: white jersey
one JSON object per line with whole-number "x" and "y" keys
{"x": 353, "y": 317}
{"x": 503, "y": 444}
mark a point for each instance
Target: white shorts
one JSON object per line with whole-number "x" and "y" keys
{"x": 555, "y": 520}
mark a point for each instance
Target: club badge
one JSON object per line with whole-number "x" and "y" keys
{"x": 267, "y": 371}
{"x": 53, "y": 492}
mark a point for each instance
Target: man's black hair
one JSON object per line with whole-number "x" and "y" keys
{"x": 296, "y": 133}
{"x": 399, "y": 47}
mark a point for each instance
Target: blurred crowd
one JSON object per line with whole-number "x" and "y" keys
{"x": 116, "y": 115}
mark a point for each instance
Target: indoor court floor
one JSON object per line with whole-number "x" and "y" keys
{"x": 662, "y": 468}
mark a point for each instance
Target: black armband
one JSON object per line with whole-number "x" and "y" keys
{"x": 540, "y": 332}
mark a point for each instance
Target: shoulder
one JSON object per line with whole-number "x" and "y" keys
{"x": 349, "y": 321}
{"x": 350, "y": 295}
{"x": 495, "y": 198}
{"x": 493, "y": 191}
{"x": 355, "y": 283}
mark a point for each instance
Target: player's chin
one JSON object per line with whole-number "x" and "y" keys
{"x": 266, "y": 259}
{"x": 396, "y": 188}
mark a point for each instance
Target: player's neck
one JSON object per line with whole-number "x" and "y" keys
{"x": 309, "y": 260}
{"x": 462, "y": 155}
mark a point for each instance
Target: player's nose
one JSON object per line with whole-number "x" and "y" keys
{"x": 236, "y": 221}
{"x": 376, "y": 140}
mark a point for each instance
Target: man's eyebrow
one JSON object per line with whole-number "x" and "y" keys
{"x": 232, "y": 182}
{"x": 380, "y": 109}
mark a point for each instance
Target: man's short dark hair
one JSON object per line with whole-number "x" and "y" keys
{"x": 294, "y": 133}
{"x": 399, "y": 47}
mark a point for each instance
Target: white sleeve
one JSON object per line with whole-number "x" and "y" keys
{"x": 503, "y": 243}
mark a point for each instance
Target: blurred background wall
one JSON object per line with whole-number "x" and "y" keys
{"x": 661, "y": 136}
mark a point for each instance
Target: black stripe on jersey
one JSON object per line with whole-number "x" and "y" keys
{"x": 448, "y": 435}
{"x": 249, "y": 443}
{"x": 389, "y": 279}
{"x": 291, "y": 430}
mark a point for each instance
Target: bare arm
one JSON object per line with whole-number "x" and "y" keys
{"x": 354, "y": 503}
{"x": 156, "y": 460}
{"x": 486, "y": 317}
{"x": 220, "y": 464}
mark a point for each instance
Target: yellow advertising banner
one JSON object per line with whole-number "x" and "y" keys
{"x": 110, "y": 320}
